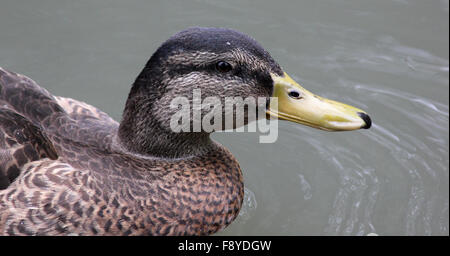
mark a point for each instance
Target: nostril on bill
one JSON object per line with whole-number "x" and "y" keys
{"x": 366, "y": 119}
{"x": 294, "y": 94}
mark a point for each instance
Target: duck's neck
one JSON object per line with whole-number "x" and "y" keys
{"x": 153, "y": 142}
{"x": 139, "y": 132}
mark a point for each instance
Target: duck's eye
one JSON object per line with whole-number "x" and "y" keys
{"x": 223, "y": 66}
{"x": 294, "y": 94}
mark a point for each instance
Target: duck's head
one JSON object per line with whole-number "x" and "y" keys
{"x": 224, "y": 63}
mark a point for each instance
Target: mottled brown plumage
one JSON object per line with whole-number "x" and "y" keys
{"x": 92, "y": 189}
{"x": 66, "y": 168}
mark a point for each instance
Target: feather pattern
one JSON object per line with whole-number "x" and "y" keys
{"x": 61, "y": 174}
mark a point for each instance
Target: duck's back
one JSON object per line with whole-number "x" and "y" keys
{"x": 38, "y": 133}
{"x": 36, "y": 130}
{"x": 55, "y": 115}
{"x": 31, "y": 115}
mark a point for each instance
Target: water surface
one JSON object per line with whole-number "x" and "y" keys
{"x": 390, "y": 58}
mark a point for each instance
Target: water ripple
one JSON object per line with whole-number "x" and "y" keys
{"x": 414, "y": 133}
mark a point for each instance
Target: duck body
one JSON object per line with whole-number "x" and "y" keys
{"x": 79, "y": 182}
{"x": 67, "y": 168}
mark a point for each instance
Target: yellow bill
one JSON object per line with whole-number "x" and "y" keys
{"x": 296, "y": 104}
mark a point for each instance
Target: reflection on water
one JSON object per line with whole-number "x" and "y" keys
{"x": 250, "y": 206}
{"x": 389, "y": 58}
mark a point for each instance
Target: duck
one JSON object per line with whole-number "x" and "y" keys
{"x": 67, "y": 168}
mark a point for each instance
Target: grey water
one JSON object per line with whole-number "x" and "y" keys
{"x": 388, "y": 57}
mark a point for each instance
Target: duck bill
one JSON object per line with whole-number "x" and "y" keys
{"x": 296, "y": 104}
